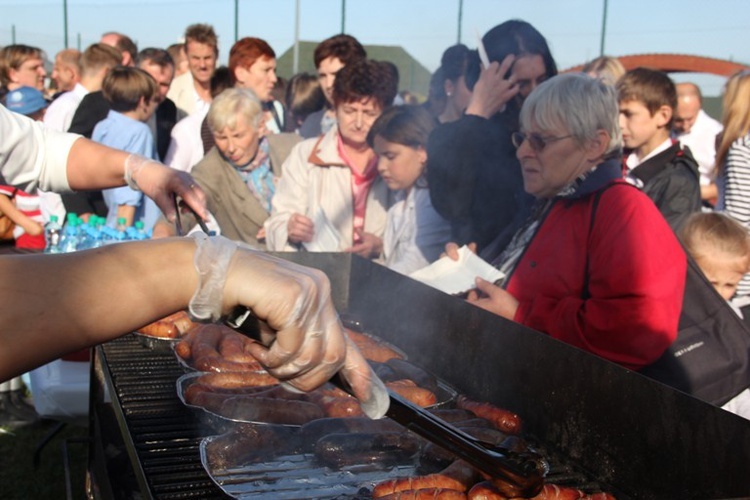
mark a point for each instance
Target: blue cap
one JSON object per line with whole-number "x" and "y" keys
{"x": 25, "y": 100}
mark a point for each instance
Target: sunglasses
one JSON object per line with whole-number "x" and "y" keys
{"x": 536, "y": 141}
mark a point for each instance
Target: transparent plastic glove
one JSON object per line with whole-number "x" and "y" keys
{"x": 160, "y": 183}
{"x": 305, "y": 344}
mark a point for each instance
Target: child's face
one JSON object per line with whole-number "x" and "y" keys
{"x": 724, "y": 271}
{"x": 640, "y": 129}
{"x": 400, "y": 166}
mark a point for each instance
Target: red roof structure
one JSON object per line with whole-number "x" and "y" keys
{"x": 677, "y": 63}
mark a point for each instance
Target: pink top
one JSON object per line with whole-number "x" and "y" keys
{"x": 361, "y": 184}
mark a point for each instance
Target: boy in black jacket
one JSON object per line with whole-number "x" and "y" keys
{"x": 661, "y": 167}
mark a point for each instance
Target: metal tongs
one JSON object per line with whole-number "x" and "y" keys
{"x": 516, "y": 474}
{"x": 178, "y": 221}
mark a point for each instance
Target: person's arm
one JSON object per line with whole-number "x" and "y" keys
{"x": 636, "y": 280}
{"x": 28, "y": 224}
{"x": 63, "y": 303}
{"x": 55, "y": 161}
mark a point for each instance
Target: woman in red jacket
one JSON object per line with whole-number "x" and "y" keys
{"x": 596, "y": 265}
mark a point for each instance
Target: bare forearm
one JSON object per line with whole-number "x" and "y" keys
{"x": 55, "y": 304}
{"x": 94, "y": 166}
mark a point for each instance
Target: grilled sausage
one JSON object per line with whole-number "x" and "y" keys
{"x": 182, "y": 321}
{"x": 337, "y": 407}
{"x": 385, "y": 449}
{"x": 503, "y": 420}
{"x": 270, "y": 410}
{"x": 234, "y": 347}
{"x": 485, "y": 491}
{"x": 458, "y": 476}
{"x": 162, "y": 329}
{"x": 237, "y": 380}
{"x": 313, "y": 431}
{"x": 407, "y": 370}
{"x": 426, "y": 494}
{"x": 599, "y": 496}
{"x": 555, "y": 492}
{"x": 249, "y": 444}
{"x": 372, "y": 349}
{"x": 408, "y": 389}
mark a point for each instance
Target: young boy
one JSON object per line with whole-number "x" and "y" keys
{"x": 721, "y": 248}
{"x": 133, "y": 96}
{"x": 664, "y": 170}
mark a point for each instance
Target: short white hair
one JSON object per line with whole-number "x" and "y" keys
{"x": 230, "y": 104}
{"x": 578, "y": 103}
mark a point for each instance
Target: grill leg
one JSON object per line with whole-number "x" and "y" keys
{"x": 46, "y": 439}
{"x": 66, "y": 465}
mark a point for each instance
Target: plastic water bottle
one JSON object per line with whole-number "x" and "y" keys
{"x": 69, "y": 240}
{"x": 52, "y": 235}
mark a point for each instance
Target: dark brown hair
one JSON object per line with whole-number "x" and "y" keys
{"x": 408, "y": 125}
{"x": 124, "y": 86}
{"x": 651, "y": 87}
{"x": 345, "y": 48}
{"x": 366, "y": 79}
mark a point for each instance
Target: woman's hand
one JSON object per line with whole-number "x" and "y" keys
{"x": 493, "y": 299}
{"x": 300, "y": 229}
{"x": 493, "y": 91}
{"x": 306, "y": 344}
{"x": 451, "y": 250}
{"x": 369, "y": 247}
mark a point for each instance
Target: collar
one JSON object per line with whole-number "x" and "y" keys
{"x": 595, "y": 179}
{"x": 651, "y": 167}
{"x": 370, "y": 171}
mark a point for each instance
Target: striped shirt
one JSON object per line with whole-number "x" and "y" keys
{"x": 734, "y": 191}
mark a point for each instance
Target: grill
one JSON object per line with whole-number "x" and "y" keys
{"x": 146, "y": 442}
{"x": 601, "y": 423}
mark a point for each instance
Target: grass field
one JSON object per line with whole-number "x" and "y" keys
{"x": 20, "y": 480}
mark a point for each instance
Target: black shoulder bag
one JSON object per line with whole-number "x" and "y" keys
{"x": 710, "y": 359}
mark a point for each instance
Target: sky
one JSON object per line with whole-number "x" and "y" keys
{"x": 425, "y": 28}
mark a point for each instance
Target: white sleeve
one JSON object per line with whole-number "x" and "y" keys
{"x": 31, "y": 156}
{"x": 291, "y": 197}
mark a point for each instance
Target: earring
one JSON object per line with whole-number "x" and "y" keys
{"x": 449, "y": 93}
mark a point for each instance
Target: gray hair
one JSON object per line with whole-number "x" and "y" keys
{"x": 230, "y": 104}
{"x": 578, "y": 103}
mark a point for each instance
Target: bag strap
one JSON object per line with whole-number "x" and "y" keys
{"x": 585, "y": 294}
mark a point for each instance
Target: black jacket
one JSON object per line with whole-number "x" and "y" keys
{"x": 671, "y": 180}
{"x": 475, "y": 179}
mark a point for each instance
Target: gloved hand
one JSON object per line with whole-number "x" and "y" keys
{"x": 160, "y": 183}
{"x": 305, "y": 344}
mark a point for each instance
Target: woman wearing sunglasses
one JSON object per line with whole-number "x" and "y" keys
{"x": 596, "y": 265}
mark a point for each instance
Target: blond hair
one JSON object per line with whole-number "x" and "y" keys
{"x": 606, "y": 68}
{"x": 230, "y": 104}
{"x": 735, "y": 116}
{"x": 706, "y": 233}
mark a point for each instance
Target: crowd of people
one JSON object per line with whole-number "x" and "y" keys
{"x": 590, "y": 191}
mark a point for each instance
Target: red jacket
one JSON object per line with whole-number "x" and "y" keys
{"x": 636, "y": 277}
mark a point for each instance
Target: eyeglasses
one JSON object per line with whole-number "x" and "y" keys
{"x": 536, "y": 141}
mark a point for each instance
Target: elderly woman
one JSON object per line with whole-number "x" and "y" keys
{"x": 596, "y": 265}
{"x": 330, "y": 197}
{"x": 238, "y": 173}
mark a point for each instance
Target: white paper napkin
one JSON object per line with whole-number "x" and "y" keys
{"x": 457, "y": 276}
